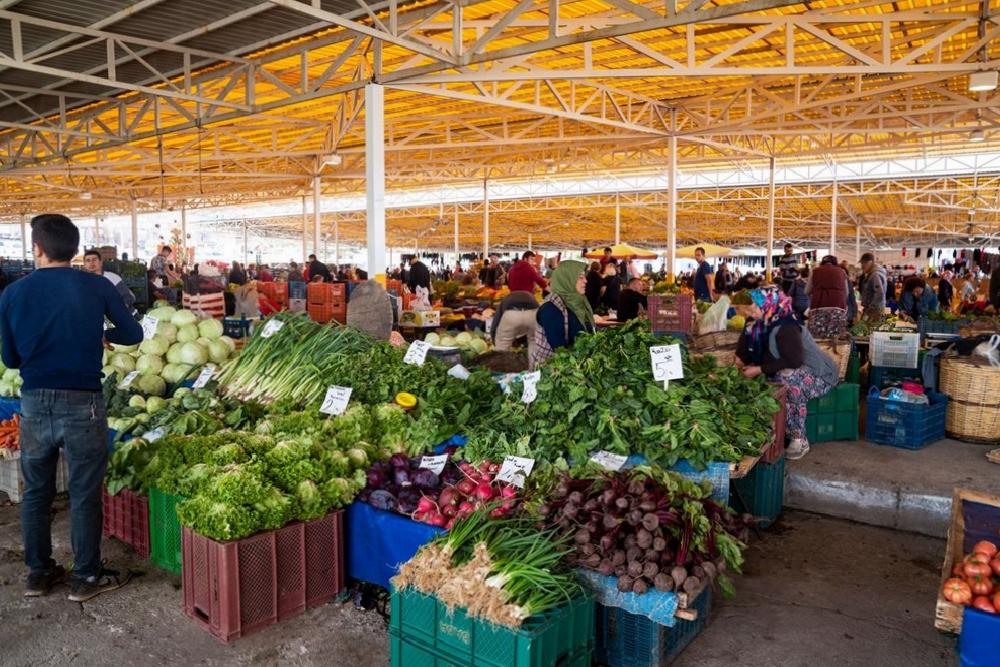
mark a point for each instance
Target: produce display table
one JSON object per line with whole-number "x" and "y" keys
{"x": 379, "y": 541}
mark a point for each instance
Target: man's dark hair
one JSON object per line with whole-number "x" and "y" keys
{"x": 56, "y": 235}
{"x": 312, "y": 258}
{"x": 167, "y": 248}
{"x": 607, "y": 249}
{"x": 486, "y": 262}
{"x": 700, "y": 249}
{"x": 93, "y": 253}
{"x": 788, "y": 246}
{"x": 527, "y": 254}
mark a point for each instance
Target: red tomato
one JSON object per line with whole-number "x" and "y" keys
{"x": 975, "y": 558}
{"x": 975, "y": 569}
{"x": 957, "y": 591}
{"x": 981, "y": 585}
{"x": 983, "y": 603}
{"x": 985, "y": 547}
{"x": 958, "y": 568}
{"x": 995, "y": 565}
{"x": 996, "y": 600}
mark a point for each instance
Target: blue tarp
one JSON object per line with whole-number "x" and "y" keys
{"x": 656, "y": 606}
{"x": 8, "y": 406}
{"x": 717, "y": 473}
{"x": 979, "y": 644}
{"x": 378, "y": 542}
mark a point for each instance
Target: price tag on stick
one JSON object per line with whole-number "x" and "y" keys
{"x": 272, "y": 327}
{"x": 149, "y": 326}
{"x": 459, "y": 371}
{"x": 336, "y": 400}
{"x": 530, "y": 386}
{"x": 204, "y": 376}
{"x": 434, "y": 463}
{"x": 154, "y": 435}
{"x": 666, "y": 363}
{"x": 416, "y": 353}
{"x": 129, "y": 379}
{"x": 515, "y": 470}
{"x": 608, "y": 460}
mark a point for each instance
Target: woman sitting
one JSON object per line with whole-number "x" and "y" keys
{"x": 917, "y": 300}
{"x": 775, "y": 344}
{"x": 564, "y": 314}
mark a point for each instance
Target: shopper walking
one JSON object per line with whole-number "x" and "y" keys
{"x": 564, "y": 314}
{"x": 775, "y": 344}
{"x": 94, "y": 263}
{"x": 873, "y": 288}
{"x": 702, "y": 277}
{"x": 828, "y": 288}
{"x": 52, "y": 328}
{"x": 523, "y": 275}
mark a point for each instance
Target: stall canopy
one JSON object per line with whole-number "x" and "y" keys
{"x": 623, "y": 251}
{"x": 711, "y": 250}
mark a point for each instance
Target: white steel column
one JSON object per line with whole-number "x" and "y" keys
{"x": 375, "y": 177}
{"x": 770, "y": 222}
{"x": 833, "y": 212}
{"x": 246, "y": 242}
{"x": 672, "y": 205}
{"x": 24, "y": 237}
{"x": 618, "y": 220}
{"x": 184, "y": 234}
{"x": 316, "y": 217}
{"x": 336, "y": 242}
{"x": 857, "y": 243}
{"x": 305, "y": 230}
{"x": 529, "y": 241}
{"x": 458, "y": 253}
{"x": 486, "y": 219}
{"x": 97, "y": 231}
{"x": 135, "y": 232}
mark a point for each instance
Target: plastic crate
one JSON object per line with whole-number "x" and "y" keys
{"x": 883, "y": 376}
{"x": 671, "y": 312}
{"x": 777, "y": 448}
{"x": 895, "y": 349}
{"x": 630, "y": 640}
{"x": 297, "y": 305}
{"x": 236, "y": 328}
{"x": 853, "y": 374}
{"x": 296, "y": 290}
{"x": 326, "y": 293}
{"x": 927, "y": 326}
{"x": 842, "y": 398}
{"x": 906, "y": 425}
{"x": 164, "y": 531}
{"x": 324, "y": 313}
{"x": 234, "y": 588}
{"x": 126, "y": 518}
{"x": 762, "y": 492}
{"x": 833, "y": 426}
{"x": 458, "y": 639}
{"x": 12, "y": 483}
{"x": 9, "y": 407}
{"x": 411, "y": 653}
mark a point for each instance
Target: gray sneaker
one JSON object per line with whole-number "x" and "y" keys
{"x": 797, "y": 449}
{"x": 82, "y": 590}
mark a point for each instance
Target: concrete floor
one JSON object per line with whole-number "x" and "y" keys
{"x": 817, "y": 591}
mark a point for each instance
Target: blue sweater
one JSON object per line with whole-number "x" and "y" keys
{"x": 52, "y": 326}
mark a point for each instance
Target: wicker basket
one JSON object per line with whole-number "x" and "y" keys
{"x": 839, "y": 351}
{"x": 709, "y": 342}
{"x": 724, "y": 356}
{"x": 973, "y": 423}
{"x": 974, "y": 409}
{"x": 978, "y": 328}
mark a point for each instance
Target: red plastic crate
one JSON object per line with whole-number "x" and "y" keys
{"x": 326, "y": 312}
{"x": 281, "y": 294}
{"x": 126, "y": 518}
{"x": 671, "y": 312}
{"x": 326, "y": 293}
{"x": 232, "y": 589}
{"x": 777, "y": 448}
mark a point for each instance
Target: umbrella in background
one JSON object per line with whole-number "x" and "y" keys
{"x": 711, "y": 250}
{"x": 622, "y": 251}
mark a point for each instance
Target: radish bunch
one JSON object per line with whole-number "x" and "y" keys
{"x": 478, "y": 489}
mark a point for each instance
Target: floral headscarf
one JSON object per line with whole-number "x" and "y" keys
{"x": 776, "y": 310}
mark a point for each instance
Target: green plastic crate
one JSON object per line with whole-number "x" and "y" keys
{"x": 411, "y": 653}
{"x": 853, "y": 374}
{"x": 833, "y": 426}
{"x": 841, "y": 398}
{"x": 432, "y": 635}
{"x": 164, "y": 531}
{"x": 762, "y": 492}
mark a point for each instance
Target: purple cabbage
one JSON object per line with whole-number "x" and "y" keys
{"x": 399, "y": 461}
{"x": 408, "y": 500}
{"x": 383, "y": 500}
{"x": 426, "y": 479}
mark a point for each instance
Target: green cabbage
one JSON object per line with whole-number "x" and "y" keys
{"x": 187, "y": 333}
{"x": 162, "y": 313}
{"x": 167, "y": 330}
{"x": 193, "y": 354}
{"x": 149, "y": 364}
{"x": 183, "y": 318}
{"x": 210, "y": 328}
{"x": 174, "y": 353}
{"x": 218, "y": 351}
{"x": 123, "y": 362}
{"x": 152, "y": 385}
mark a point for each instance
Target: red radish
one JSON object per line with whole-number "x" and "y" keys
{"x": 493, "y": 468}
{"x": 448, "y": 525}
{"x": 449, "y": 511}
{"x": 497, "y": 513}
{"x": 436, "y": 519}
{"x": 510, "y": 503}
{"x": 466, "y": 506}
{"x": 425, "y": 505}
{"x": 484, "y": 466}
{"x": 486, "y": 477}
{"x": 466, "y": 486}
{"x": 508, "y": 492}
{"x": 484, "y": 491}
{"x": 419, "y": 516}
{"x": 449, "y": 496}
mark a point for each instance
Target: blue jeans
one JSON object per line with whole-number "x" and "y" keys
{"x": 76, "y": 422}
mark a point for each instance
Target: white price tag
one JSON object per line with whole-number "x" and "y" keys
{"x": 416, "y": 353}
{"x": 154, "y": 435}
{"x": 129, "y": 379}
{"x": 204, "y": 376}
{"x": 531, "y": 386}
{"x": 434, "y": 463}
{"x": 272, "y": 327}
{"x": 608, "y": 460}
{"x": 336, "y": 400}
{"x": 515, "y": 470}
{"x": 666, "y": 362}
{"x": 459, "y": 371}
{"x": 149, "y": 326}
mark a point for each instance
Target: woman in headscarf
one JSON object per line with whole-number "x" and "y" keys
{"x": 564, "y": 314}
{"x": 774, "y": 343}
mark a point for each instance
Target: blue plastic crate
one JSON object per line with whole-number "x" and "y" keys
{"x": 906, "y": 425}
{"x": 296, "y": 290}
{"x": 629, "y": 640}
{"x": 236, "y": 328}
{"x": 9, "y": 407}
{"x": 883, "y": 376}
{"x": 761, "y": 492}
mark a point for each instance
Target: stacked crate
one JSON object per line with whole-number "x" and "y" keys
{"x": 326, "y": 302}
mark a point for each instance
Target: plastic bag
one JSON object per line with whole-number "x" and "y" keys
{"x": 715, "y": 318}
{"x": 421, "y": 300}
{"x": 990, "y": 350}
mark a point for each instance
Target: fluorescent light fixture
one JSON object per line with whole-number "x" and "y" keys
{"x": 982, "y": 81}
{"x": 86, "y": 195}
{"x": 977, "y": 135}
{"x": 742, "y": 218}
{"x": 333, "y": 160}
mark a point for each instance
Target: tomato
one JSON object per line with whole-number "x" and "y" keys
{"x": 975, "y": 569}
{"x": 996, "y": 600}
{"x": 985, "y": 547}
{"x": 957, "y": 570}
{"x": 982, "y": 603}
{"x": 980, "y": 585}
{"x": 995, "y": 565}
{"x": 957, "y": 591}
{"x": 975, "y": 558}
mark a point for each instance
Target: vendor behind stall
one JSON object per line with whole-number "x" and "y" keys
{"x": 917, "y": 299}
{"x": 564, "y": 314}
{"x": 776, "y": 344}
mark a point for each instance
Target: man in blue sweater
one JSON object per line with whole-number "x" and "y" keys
{"x": 52, "y": 329}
